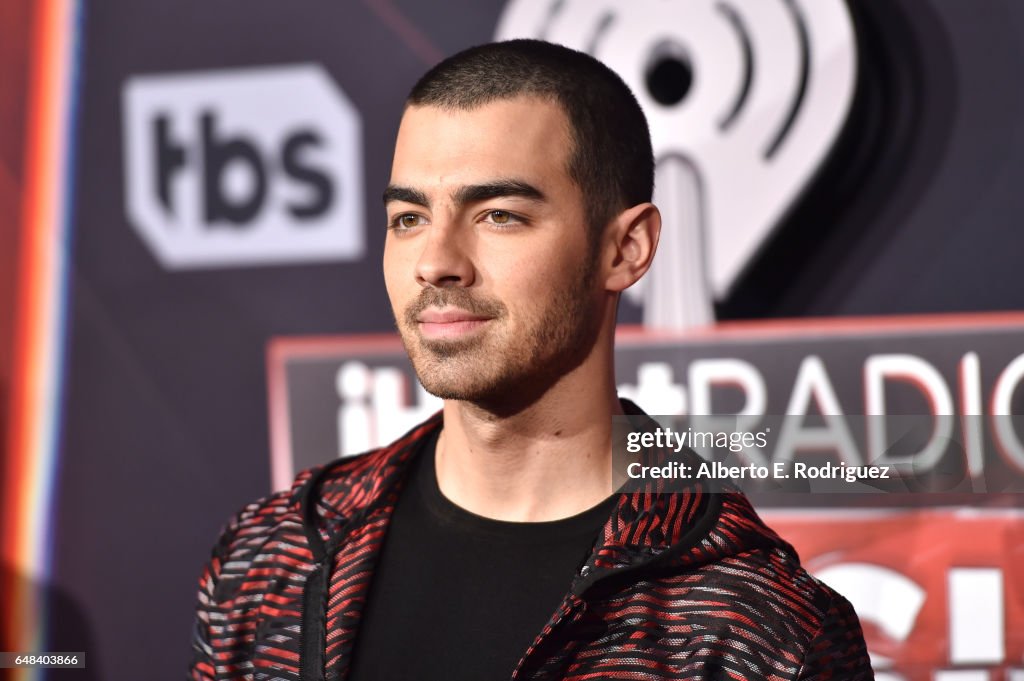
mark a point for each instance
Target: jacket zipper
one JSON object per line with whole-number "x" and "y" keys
{"x": 574, "y": 612}
{"x": 312, "y": 639}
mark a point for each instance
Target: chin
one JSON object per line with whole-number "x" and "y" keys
{"x": 451, "y": 379}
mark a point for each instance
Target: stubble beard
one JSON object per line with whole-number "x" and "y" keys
{"x": 498, "y": 366}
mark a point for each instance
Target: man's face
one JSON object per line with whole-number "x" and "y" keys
{"x": 487, "y": 259}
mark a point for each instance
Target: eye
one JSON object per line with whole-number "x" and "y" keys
{"x": 406, "y": 221}
{"x": 502, "y": 218}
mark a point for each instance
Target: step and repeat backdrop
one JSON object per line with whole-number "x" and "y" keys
{"x": 840, "y": 181}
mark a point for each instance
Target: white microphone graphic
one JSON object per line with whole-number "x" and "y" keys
{"x": 744, "y": 99}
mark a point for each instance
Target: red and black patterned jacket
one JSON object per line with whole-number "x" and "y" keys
{"x": 679, "y": 586}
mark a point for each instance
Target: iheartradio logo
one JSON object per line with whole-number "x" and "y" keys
{"x": 744, "y": 98}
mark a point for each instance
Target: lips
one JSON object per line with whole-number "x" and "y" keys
{"x": 449, "y": 323}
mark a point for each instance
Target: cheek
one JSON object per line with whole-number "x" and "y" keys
{"x": 528, "y": 263}
{"x": 396, "y": 274}
{"x": 392, "y": 293}
{"x": 529, "y": 286}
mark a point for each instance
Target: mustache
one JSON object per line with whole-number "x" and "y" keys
{"x": 452, "y": 297}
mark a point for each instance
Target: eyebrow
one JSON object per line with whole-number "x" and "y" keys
{"x": 492, "y": 190}
{"x": 406, "y": 195}
{"x": 467, "y": 194}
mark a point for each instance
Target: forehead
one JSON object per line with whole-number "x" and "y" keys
{"x": 525, "y": 137}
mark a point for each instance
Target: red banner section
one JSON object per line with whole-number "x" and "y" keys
{"x": 938, "y": 590}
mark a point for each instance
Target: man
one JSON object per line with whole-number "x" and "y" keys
{"x": 487, "y": 543}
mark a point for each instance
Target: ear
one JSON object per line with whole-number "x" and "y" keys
{"x": 630, "y": 242}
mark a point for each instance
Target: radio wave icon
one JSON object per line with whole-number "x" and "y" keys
{"x": 744, "y": 98}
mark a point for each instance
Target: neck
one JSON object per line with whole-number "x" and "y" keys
{"x": 548, "y": 460}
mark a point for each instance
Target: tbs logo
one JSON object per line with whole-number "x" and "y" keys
{"x": 239, "y": 167}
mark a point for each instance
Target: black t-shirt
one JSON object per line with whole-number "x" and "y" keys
{"x": 456, "y": 596}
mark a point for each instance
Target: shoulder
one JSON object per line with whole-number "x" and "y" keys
{"x": 772, "y": 604}
{"x": 775, "y": 604}
{"x": 273, "y": 537}
{"x": 318, "y": 497}
{"x": 767, "y": 583}
{"x": 286, "y": 509}
{"x": 739, "y": 593}
{"x": 758, "y": 613}
{"x": 770, "y": 585}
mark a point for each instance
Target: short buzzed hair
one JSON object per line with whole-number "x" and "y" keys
{"x": 610, "y": 160}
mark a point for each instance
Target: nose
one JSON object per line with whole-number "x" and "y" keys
{"x": 445, "y": 260}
